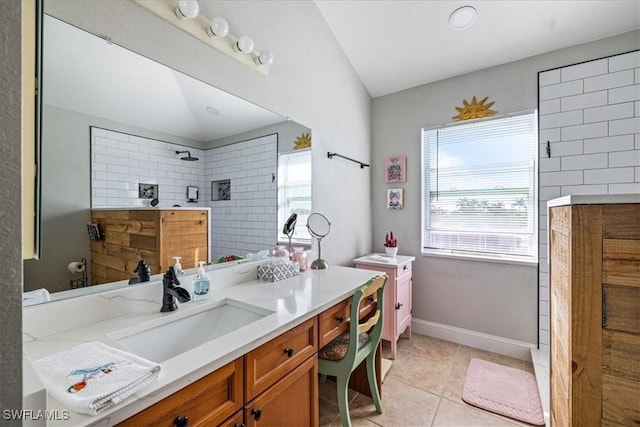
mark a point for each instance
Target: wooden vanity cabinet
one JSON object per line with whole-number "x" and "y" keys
{"x": 595, "y": 314}
{"x": 397, "y": 295}
{"x": 207, "y": 402}
{"x": 153, "y": 235}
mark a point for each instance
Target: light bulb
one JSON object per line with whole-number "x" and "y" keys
{"x": 219, "y": 27}
{"x": 187, "y": 9}
{"x": 244, "y": 44}
{"x": 264, "y": 58}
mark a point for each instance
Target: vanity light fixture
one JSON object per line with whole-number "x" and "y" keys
{"x": 185, "y": 14}
{"x": 463, "y": 17}
{"x": 244, "y": 45}
{"x": 187, "y": 9}
{"x": 219, "y": 27}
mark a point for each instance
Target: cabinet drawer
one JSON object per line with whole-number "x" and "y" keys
{"x": 206, "y": 402}
{"x": 392, "y": 271}
{"x": 333, "y": 321}
{"x": 273, "y": 360}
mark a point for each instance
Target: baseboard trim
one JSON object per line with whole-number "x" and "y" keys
{"x": 518, "y": 349}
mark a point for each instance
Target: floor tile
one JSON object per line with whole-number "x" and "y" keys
{"x": 422, "y": 388}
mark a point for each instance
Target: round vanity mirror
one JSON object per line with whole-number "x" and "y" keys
{"x": 319, "y": 226}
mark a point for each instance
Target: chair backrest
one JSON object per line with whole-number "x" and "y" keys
{"x": 375, "y": 321}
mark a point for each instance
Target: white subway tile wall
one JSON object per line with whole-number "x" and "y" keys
{"x": 594, "y": 136}
{"x": 251, "y": 166}
{"x": 121, "y": 161}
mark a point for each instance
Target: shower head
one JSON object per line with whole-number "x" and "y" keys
{"x": 188, "y": 157}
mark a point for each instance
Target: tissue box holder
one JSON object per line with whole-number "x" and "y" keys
{"x": 275, "y": 272}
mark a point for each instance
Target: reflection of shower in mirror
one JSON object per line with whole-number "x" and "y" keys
{"x": 188, "y": 157}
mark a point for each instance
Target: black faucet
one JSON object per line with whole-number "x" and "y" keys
{"x": 172, "y": 290}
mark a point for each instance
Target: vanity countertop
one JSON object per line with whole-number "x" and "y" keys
{"x": 594, "y": 199}
{"x": 97, "y": 317}
{"x": 384, "y": 260}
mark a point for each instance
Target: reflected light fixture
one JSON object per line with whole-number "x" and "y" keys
{"x": 463, "y": 17}
{"x": 185, "y": 14}
{"x": 219, "y": 27}
{"x": 187, "y": 9}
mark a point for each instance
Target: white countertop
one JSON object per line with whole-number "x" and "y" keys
{"x": 97, "y": 317}
{"x": 384, "y": 260}
{"x": 595, "y": 199}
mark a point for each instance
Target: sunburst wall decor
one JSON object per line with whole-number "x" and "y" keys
{"x": 303, "y": 141}
{"x": 474, "y": 109}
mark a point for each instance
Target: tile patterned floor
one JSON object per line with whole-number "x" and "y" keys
{"x": 423, "y": 388}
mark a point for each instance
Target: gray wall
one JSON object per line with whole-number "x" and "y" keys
{"x": 287, "y": 133}
{"x": 10, "y": 210}
{"x": 492, "y": 298}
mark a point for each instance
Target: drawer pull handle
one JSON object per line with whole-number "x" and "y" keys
{"x": 370, "y": 298}
{"x": 398, "y": 305}
{"x": 257, "y": 413}
{"x": 340, "y": 319}
{"x": 181, "y": 421}
{"x": 239, "y": 425}
{"x": 405, "y": 267}
{"x": 288, "y": 351}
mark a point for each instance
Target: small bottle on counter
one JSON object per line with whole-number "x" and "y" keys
{"x": 177, "y": 267}
{"x": 300, "y": 256}
{"x": 201, "y": 284}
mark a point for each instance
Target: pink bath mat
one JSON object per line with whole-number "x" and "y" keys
{"x": 503, "y": 390}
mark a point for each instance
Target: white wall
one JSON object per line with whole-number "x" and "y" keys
{"x": 489, "y": 298}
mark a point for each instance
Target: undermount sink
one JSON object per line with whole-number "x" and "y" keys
{"x": 172, "y": 334}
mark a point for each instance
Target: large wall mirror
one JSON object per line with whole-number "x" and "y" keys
{"x": 112, "y": 118}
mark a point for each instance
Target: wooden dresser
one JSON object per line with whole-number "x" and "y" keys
{"x": 397, "y": 295}
{"x": 155, "y": 235}
{"x": 595, "y": 310}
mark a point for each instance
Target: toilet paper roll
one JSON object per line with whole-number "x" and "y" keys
{"x": 75, "y": 267}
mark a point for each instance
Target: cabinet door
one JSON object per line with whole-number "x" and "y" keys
{"x": 292, "y": 401}
{"x": 206, "y": 402}
{"x": 403, "y": 303}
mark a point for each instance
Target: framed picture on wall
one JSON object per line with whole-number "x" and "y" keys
{"x": 395, "y": 198}
{"x": 395, "y": 169}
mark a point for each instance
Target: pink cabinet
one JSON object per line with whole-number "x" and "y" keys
{"x": 397, "y": 294}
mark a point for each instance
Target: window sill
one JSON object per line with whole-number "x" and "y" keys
{"x": 499, "y": 259}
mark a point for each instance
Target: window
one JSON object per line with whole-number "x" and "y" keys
{"x": 294, "y": 193}
{"x": 478, "y": 189}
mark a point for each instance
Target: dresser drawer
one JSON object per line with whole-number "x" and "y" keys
{"x": 392, "y": 271}
{"x": 333, "y": 321}
{"x": 271, "y": 361}
{"x": 206, "y": 402}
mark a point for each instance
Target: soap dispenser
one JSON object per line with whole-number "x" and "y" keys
{"x": 177, "y": 266}
{"x": 201, "y": 284}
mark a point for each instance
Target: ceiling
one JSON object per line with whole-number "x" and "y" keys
{"x": 396, "y": 45}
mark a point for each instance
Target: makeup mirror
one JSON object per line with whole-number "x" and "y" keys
{"x": 318, "y": 226}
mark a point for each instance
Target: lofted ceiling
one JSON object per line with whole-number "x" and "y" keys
{"x": 396, "y": 45}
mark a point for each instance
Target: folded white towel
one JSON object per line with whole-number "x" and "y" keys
{"x": 93, "y": 377}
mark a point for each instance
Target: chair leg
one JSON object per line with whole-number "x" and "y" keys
{"x": 373, "y": 386}
{"x": 343, "y": 400}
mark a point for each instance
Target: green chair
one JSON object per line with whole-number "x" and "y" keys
{"x": 342, "y": 356}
